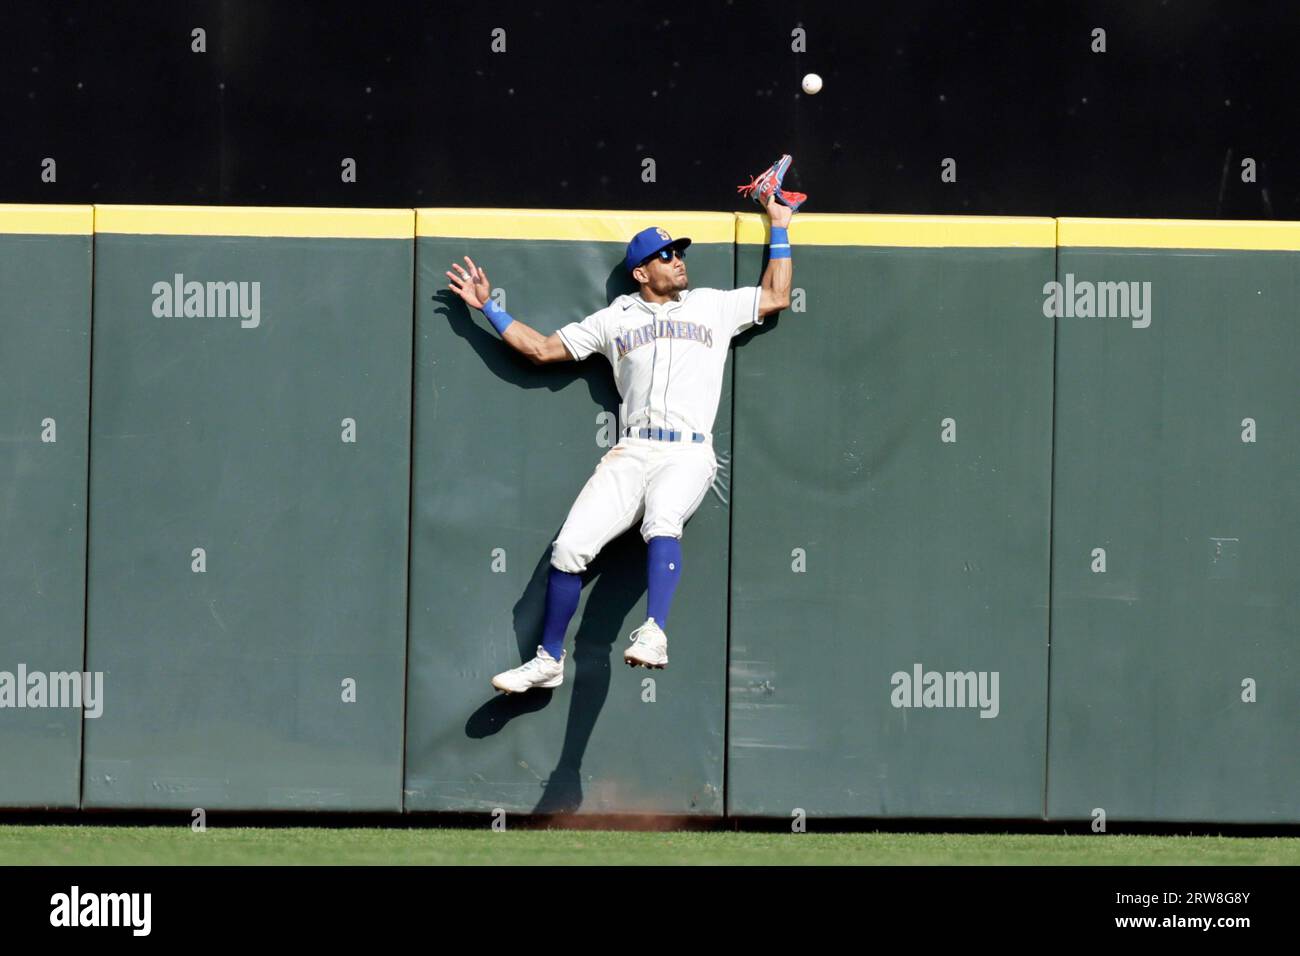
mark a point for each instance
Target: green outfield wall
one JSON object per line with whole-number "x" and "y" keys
{"x": 45, "y": 265}
{"x": 1004, "y": 524}
{"x": 891, "y": 521}
{"x": 1175, "y": 682}
{"x": 250, "y": 457}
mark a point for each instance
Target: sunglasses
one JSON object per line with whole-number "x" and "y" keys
{"x": 666, "y": 255}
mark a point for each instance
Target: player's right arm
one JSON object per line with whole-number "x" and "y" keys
{"x": 473, "y": 286}
{"x": 551, "y": 349}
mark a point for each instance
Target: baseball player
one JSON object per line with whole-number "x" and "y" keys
{"x": 668, "y": 346}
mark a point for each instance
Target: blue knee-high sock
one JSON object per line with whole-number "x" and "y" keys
{"x": 665, "y": 567}
{"x": 562, "y": 593}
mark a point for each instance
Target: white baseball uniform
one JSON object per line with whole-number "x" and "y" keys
{"x": 668, "y": 360}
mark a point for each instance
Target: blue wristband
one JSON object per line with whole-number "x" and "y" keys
{"x": 780, "y": 243}
{"x": 498, "y": 316}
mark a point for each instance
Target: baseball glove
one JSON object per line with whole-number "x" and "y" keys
{"x": 768, "y": 183}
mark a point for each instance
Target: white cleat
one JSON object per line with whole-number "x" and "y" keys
{"x": 542, "y": 671}
{"x": 649, "y": 646}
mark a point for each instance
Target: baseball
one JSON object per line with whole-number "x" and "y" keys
{"x": 812, "y": 83}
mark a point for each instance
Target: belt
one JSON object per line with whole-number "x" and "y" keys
{"x": 663, "y": 434}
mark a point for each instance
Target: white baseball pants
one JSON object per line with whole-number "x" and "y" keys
{"x": 661, "y": 483}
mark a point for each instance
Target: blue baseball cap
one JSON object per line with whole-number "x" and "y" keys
{"x": 647, "y": 242}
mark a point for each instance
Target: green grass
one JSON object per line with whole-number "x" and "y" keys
{"x": 91, "y": 845}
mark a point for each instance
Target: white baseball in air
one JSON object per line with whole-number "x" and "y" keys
{"x": 812, "y": 83}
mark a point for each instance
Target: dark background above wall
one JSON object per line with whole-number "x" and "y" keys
{"x": 1157, "y": 125}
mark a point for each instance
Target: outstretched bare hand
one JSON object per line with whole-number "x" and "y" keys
{"x": 472, "y": 286}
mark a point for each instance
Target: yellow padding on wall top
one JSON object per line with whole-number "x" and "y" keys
{"x": 590, "y": 225}
{"x": 256, "y": 221}
{"x": 1178, "y": 234}
{"x": 618, "y": 226}
{"x": 44, "y": 220}
{"x": 837, "y": 229}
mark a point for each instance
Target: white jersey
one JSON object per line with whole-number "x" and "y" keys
{"x": 668, "y": 358}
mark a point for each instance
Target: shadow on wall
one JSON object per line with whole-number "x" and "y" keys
{"x": 618, "y": 581}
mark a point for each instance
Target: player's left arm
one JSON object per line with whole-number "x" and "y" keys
{"x": 774, "y": 290}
